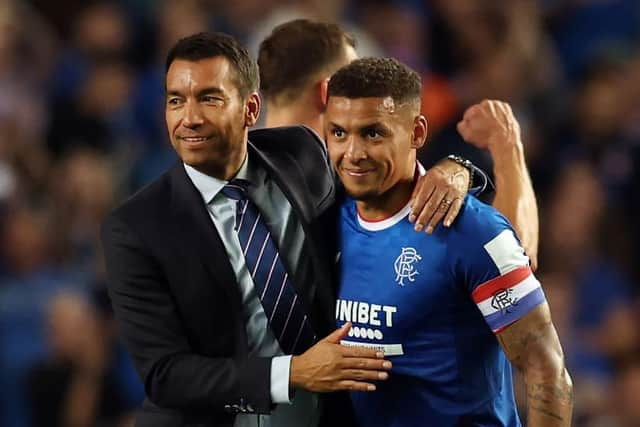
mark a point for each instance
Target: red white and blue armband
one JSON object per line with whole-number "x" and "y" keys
{"x": 510, "y": 296}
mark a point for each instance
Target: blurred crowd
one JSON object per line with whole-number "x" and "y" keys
{"x": 82, "y": 127}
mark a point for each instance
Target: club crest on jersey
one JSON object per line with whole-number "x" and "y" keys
{"x": 405, "y": 265}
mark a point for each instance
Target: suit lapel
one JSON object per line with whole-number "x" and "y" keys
{"x": 193, "y": 221}
{"x": 290, "y": 179}
{"x": 289, "y": 184}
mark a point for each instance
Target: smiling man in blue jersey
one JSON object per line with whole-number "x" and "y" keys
{"x": 452, "y": 310}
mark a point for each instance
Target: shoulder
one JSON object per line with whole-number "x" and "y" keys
{"x": 477, "y": 222}
{"x": 482, "y": 244}
{"x": 134, "y": 210}
{"x": 286, "y": 135}
{"x": 294, "y": 140}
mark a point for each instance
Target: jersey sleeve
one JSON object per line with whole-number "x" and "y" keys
{"x": 491, "y": 265}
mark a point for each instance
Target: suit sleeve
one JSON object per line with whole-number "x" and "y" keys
{"x": 173, "y": 375}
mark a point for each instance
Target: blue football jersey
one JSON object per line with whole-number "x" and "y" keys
{"x": 433, "y": 304}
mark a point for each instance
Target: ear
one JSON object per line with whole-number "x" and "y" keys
{"x": 322, "y": 92}
{"x": 252, "y": 109}
{"x": 419, "y": 135}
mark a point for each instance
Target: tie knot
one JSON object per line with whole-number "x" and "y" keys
{"x": 236, "y": 189}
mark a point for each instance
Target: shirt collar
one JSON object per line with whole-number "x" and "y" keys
{"x": 209, "y": 186}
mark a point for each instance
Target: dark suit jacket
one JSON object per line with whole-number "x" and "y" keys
{"x": 176, "y": 297}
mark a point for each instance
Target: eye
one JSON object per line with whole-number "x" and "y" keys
{"x": 338, "y": 133}
{"x": 372, "y": 134}
{"x": 173, "y": 101}
{"x": 212, "y": 99}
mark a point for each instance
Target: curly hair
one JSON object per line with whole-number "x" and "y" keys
{"x": 377, "y": 78}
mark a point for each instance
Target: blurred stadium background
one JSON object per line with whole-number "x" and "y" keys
{"x": 81, "y": 127}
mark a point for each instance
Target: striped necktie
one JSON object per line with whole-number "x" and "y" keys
{"x": 272, "y": 283}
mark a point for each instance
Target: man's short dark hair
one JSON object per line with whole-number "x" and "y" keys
{"x": 296, "y": 52}
{"x": 209, "y": 45}
{"x": 377, "y": 78}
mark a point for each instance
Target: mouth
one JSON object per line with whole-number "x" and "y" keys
{"x": 357, "y": 172}
{"x": 195, "y": 140}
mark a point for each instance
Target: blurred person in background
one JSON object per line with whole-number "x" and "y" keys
{"x": 91, "y": 85}
{"x": 329, "y": 11}
{"x": 30, "y": 278}
{"x": 296, "y": 93}
{"x": 99, "y": 31}
{"x": 26, "y": 56}
{"x": 494, "y": 51}
{"x": 87, "y": 379}
{"x": 242, "y": 17}
{"x": 99, "y": 115}
{"x": 587, "y": 288}
{"x": 583, "y": 30}
{"x": 82, "y": 190}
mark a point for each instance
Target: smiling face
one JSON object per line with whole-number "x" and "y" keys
{"x": 372, "y": 143}
{"x": 207, "y": 118}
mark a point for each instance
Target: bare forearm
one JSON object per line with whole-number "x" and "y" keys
{"x": 515, "y": 197}
{"x": 532, "y": 345}
{"x": 550, "y": 402}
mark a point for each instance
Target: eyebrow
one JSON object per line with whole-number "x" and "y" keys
{"x": 367, "y": 126}
{"x": 205, "y": 91}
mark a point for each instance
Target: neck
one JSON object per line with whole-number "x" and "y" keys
{"x": 387, "y": 204}
{"x": 227, "y": 169}
{"x": 296, "y": 113}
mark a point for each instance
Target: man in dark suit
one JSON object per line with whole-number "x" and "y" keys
{"x": 221, "y": 271}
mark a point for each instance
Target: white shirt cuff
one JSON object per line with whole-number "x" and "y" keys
{"x": 280, "y": 369}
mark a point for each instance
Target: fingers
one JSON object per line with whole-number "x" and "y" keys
{"x": 443, "y": 207}
{"x": 472, "y": 112}
{"x": 357, "y": 379}
{"x": 464, "y": 129}
{"x": 365, "y": 364}
{"x": 362, "y": 375}
{"x": 350, "y": 385}
{"x": 361, "y": 352}
{"x": 421, "y": 194}
{"x": 430, "y": 209}
{"x": 336, "y": 336}
{"x": 453, "y": 211}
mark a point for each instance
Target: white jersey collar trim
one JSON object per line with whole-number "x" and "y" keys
{"x": 392, "y": 220}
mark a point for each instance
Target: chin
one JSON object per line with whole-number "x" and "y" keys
{"x": 362, "y": 194}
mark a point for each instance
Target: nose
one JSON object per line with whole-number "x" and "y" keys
{"x": 192, "y": 115}
{"x": 356, "y": 149}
